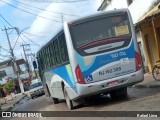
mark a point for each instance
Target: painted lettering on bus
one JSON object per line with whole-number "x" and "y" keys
{"x": 115, "y": 55}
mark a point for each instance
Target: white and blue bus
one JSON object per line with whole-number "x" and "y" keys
{"x": 93, "y": 55}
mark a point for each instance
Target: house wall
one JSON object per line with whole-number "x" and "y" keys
{"x": 157, "y": 25}
{"x": 147, "y": 28}
{"x": 9, "y": 71}
{"x": 135, "y": 8}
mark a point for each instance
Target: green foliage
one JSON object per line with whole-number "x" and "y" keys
{"x": 9, "y": 86}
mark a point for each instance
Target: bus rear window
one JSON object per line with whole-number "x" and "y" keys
{"x": 100, "y": 29}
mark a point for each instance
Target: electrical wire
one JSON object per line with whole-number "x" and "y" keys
{"x": 5, "y": 20}
{"x": 5, "y": 49}
{"x": 33, "y": 34}
{"x": 16, "y": 42}
{"x": 30, "y": 12}
{"x": 4, "y": 55}
{"x": 45, "y": 1}
{"x": 44, "y": 9}
{"x": 31, "y": 40}
{"x": 22, "y": 39}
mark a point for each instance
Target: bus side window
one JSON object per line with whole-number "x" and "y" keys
{"x": 65, "y": 48}
{"x": 45, "y": 58}
{"x": 49, "y": 57}
{"x": 53, "y": 54}
{"x": 56, "y": 49}
{"x": 62, "y": 48}
{"x": 42, "y": 59}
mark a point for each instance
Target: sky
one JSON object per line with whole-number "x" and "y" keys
{"x": 38, "y": 21}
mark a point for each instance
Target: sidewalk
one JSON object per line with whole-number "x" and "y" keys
{"x": 10, "y": 104}
{"x": 149, "y": 82}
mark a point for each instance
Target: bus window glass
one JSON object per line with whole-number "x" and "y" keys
{"x": 100, "y": 29}
{"x": 63, "y": 48}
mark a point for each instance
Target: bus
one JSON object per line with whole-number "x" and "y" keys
{"x": 93, "y": 55}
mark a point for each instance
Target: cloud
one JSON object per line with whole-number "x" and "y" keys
{"x": 3, "y": 4}
{"x": 31, "y": 8}
{"x": 42, "y": 26}
{"x": 50, "y": 27}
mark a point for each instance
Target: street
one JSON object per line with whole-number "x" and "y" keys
{"x": 139, "y": 99}
{"x": 102, "y": 103}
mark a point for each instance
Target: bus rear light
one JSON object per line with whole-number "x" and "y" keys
{"x": 70, "y": 23}
{"x": 124, "y": 11}
{"x": 79, "y": 76}
{"x": 138, "y": 61}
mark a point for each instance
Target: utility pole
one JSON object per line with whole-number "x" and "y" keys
{"x": 13, "y": 58}
{"x": 24, "y": 50}
{"x": 26, "y": 59}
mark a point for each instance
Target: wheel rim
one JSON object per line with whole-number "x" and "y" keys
{"x": 67, "y": 100}
{"x": 156, "y": 73}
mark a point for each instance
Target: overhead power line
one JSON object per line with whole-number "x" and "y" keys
{"x": 52, "y": 1}
{"x": 22, "y": 39}
{"x": 30, "y": 40}
{"x": 4, "y": 49}
{"x": 30, "y": 12}
{"x": 5, "y": 20}
{"x": 16, "y": 42}
{"x": 33, "y": 34}
{"x": 13, "y": 58}
{"x": 4, "y": 56}
{"x": 44, "y": 9}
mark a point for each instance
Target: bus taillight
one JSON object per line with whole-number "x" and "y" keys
{"x": 70, "y": 24}
{"x": 79, "y": 76}
{"x": 138, "y": 61}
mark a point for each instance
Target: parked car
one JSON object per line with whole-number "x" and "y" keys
{"x": 36, "y": 88}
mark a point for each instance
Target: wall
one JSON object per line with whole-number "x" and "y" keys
{"x": 9, "y": 71}
{"x": 136, "y": 9}
{"x": 147, "y": 28}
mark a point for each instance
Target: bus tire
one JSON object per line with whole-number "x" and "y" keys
{"x": 119, "y": 93}
{"x": 68, "y": 101}
{"x": 55, "y": 100}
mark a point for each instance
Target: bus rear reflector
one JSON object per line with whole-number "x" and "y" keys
{"x": 138, "y": 61}
{"x": 79, "y": 76}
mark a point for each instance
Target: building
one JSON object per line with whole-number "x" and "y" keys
{"x": 24, "y": 75}
{"x": 150, "y": 30}
{"x": 139, "y": 15}
{"x": 7, "y": 71}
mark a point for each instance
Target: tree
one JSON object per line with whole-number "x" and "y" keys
{"x": 9, "y": 86}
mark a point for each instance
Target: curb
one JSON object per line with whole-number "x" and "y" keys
{"x": 17, "y": 102}
{"x": 147, "y": 86}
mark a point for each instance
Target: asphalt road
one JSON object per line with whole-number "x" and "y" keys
{"x": 137, "y": 100}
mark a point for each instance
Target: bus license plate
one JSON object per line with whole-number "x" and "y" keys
{"x": 113, "y": 83}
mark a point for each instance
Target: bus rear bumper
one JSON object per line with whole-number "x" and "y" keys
{"x": 84, "y": 90}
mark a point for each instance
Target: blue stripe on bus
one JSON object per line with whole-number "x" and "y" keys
{"x": 95, "y": 64}
{"x": 65, "y": 73}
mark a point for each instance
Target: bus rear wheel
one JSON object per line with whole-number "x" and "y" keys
{"x": 119, "y": 93}
{"x": 55, "y": 100}
{"x": 68, "y": 101}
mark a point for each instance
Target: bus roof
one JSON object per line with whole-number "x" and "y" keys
{"x": 99, "y": 13}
